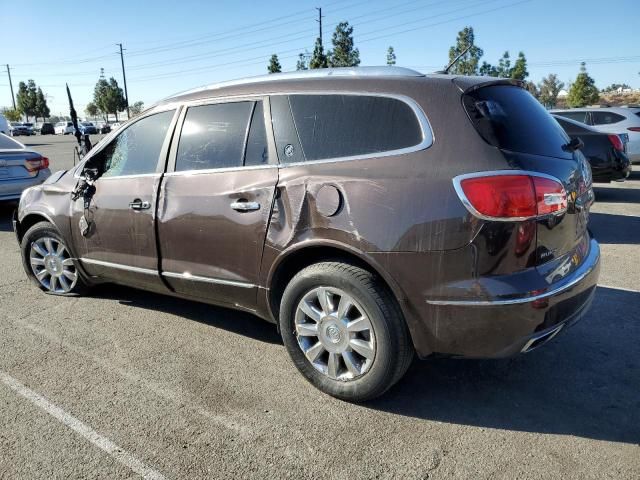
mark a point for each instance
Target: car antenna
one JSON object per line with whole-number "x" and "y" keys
{"x": 454, "y": 61}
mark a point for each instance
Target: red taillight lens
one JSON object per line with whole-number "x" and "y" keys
{"x": 513, "y": 196}
{"x": 35, "y": 164}
{"x": 634, "y": 129}
{"x": 616, "y": 141}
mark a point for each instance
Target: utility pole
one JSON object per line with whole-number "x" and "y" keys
{"x": 320, "y": 23}
{"x": 13, "y": 98}
{"x": 124, "y": 77}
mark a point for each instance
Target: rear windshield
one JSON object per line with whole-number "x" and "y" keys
{"x": 7, "y": 143}
{"x": 510, "y": 118}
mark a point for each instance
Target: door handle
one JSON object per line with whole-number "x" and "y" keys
{"x": 244, "y": 206}
{"x": 138, "y": 204}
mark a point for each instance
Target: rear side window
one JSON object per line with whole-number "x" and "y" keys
{"x": 337, "y": 126}
{"x": 213, "y": 136}
{"x": 508, "y": 117}
{"x": 257, "y": 150}
{"x": 606, "y": 118}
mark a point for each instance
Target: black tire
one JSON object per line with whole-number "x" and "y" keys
{"x": 394, "y": 350}
{"x": 38, "y": 231}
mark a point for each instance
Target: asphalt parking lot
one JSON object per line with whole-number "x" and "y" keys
{"x": 124, "y": 383}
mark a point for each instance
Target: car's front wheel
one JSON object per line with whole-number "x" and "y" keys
{"x": 48, "y": 263}
{"x": 344, "y": 331}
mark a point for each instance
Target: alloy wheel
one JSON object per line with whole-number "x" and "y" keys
{"x": 335, "y": 333}
{"x": 52, "y": 265}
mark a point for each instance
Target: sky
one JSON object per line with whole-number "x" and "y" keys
{"x": 171, "y": 46}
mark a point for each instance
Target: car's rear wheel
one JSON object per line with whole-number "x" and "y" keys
{"x": 48, "y": 263}
{"x": 344, "y": 331}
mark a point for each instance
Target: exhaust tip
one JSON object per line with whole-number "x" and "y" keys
{"x": 539, "y": 340}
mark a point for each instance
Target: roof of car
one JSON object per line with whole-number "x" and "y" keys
{"x": 368, "y": 78}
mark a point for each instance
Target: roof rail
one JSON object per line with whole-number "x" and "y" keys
{"x": 384, "y": 71}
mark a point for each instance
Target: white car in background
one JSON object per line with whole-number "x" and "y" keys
{"x": 618, "y": 120}
{"x": 64, "y": 128}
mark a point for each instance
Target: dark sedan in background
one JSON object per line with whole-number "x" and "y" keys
{"x": 605, "y": 151}
{"x": 20, "y": 168}
{"x": 87, "y": 128}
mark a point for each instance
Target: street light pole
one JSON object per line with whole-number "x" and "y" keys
{"x": 13, "y": 98}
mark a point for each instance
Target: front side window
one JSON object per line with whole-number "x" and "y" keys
{"x": 214, "y": 136}
{"x": 136, "y": 150}
{"x": 337, "y": 126}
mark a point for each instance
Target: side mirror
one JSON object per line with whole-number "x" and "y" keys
{"x": 576, "y": 143}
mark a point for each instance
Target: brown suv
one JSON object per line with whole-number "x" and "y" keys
{"x": 369, "y": 212}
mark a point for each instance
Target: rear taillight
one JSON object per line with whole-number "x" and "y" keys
{"x": 35, "y": 164}
{"x": 616, "y": 141}
{"x": 507, "y": 196}
{"x": 634, "y": 129}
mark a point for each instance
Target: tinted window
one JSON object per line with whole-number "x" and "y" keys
{"x": 257, "y": 151}
{"x": 287, "y": 142}
{"x": 136, "y": 149}
{"x": 577, "y": 116}
{"x": 605, "y": 118}
{"x": 213, "y": 136}
{"x": 509, "y": 117}
{"x": 570, "y": 128}
{"x": 333, "y": 126}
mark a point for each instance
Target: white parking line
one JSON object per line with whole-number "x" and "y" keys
{"x": 82, "y": 429}
{"x": 619, "y": 288}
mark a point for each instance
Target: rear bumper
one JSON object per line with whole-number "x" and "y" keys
{"x": 12, "y": 189}
{"x": 493, "y": 319}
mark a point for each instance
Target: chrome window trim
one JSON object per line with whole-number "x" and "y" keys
{"x": 119, "y": 266}
{"x": 492, "y": 173}
{"x": 139, "y": 175}
{"x": 428, "y": 136}
{"x": 197, "y": 278}
{"x": 183, "y": 173}
{"x": 527, "y": 299}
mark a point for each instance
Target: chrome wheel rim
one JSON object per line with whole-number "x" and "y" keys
{"x": 52, "y": 265}
{"x": 335, "y": 333}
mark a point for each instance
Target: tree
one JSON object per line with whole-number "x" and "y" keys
{"x": 109, "y": 97}
{"x": 615, "y": 86}
{"x": 583, "y": 91}
{"x": 550, "y": 87}
{"x": 92, "y": 110}
{"x": 137, "y": 108}
{"x": 274, "y": 64}
{"x": 302, "y": 63}
{"x": 318, "y": 59}
{"x": 27, "y": 96}
{"x": 391, "y": 56}
{"x": 41, "y": 108}
{"x": 532, "y": 88}
{"x": 504, "y": 66}
{"x": 488, "y": 70}
{"x": 468, "y": 63}
{"x": 343, "y": 54}
{"x": 519, "y": 70}
{"x": 12, "y": 114}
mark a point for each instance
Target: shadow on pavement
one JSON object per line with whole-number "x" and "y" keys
{"x": 6, "y": 214}
{"x": 242, "y": 323}
{"x": 617, "y": 195}
{"x": 583, "y": 383}
{"x": 615, "y": 229}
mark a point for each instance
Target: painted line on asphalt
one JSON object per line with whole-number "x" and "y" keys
{"x": 159, "y": 390}
{"x": 619, "y": 288}
{"x": 82, "y": 429}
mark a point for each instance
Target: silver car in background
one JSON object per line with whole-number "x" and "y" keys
{"x": 618, "y": 120}
{"x": 20, "y": 168}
